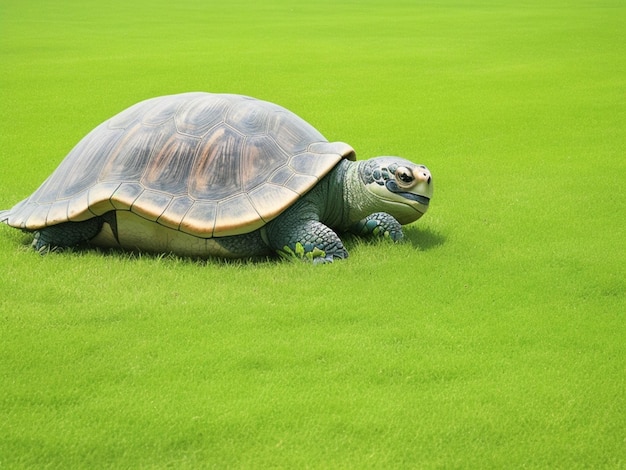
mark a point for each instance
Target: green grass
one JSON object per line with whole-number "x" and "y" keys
{"x": 495, "y": 337}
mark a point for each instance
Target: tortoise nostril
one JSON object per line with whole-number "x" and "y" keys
{"x": 429, "y": 178}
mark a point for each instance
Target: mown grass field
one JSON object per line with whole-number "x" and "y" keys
{"x": 493, "y": 338}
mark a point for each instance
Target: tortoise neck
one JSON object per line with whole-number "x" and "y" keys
{"x": 346, "y": 199}
{"x": 358, "y": 201}
{"x": 331, "y": 195}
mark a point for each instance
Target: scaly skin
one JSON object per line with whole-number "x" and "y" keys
{"x": 381, "y": 224}
{"x": 339, "y": 202}
{"x": 67, "y": 234}
{"x": 304, "y": 230}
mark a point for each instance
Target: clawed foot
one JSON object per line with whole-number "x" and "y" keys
{"x": 379, "y": 224}
{"x": 42, "y": 247}
{"x": 314, "y": 254}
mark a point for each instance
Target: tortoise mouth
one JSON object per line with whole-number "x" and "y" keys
{"x": 393, "y": 187}
{"x": 423, "y": 200}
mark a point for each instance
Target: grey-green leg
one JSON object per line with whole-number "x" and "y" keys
{"x": 379, "y": 224}
{"x": 308, "y": 239}
{"x": 66, "y": 234}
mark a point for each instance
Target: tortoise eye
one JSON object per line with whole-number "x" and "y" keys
{"x": 404, "y": 176}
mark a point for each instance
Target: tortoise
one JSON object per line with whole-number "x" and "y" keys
{"x": 201, "y": 175}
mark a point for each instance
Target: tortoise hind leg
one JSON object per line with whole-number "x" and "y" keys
{"x": 66, "y": 234}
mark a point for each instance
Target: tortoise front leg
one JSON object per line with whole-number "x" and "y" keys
{"x": 307, "y": 240}
{"x": 379, "y": 224}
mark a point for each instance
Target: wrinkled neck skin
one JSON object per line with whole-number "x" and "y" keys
{"x": 340, "y": 198}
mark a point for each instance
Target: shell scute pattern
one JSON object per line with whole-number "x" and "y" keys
{"x": 151, "y": 204}
{"x": 98, "y": 198}
{"x": 58, "y": 211}
{"x": 216, "y": 170}
{"x": 200, "y": 219}
{"x": 125, "y": 195}
{"x": 175, "y": 212}
{"x": 129, "y": 160}
{"x": 208, "y": 165}
{"x": 249, "y": 119}
{"x": 280, "y": 176}
{"x": 20, "y": 213}
{"x": 260, "y": 156}
{"x": 264, "y": 199}
{"x": 297, "y": 181}
{"x": 196, "y": 117}
{"x": 291, "y": 133}
{"x": 236, "y": 211}
{"x": 170, "y": 168}
{"x": 76, "y": 208}
{"x": 87, "y": 161}
{"x": 309, "y": 163}
{"x": 134, "y": 114}
{"x": 158, "y": 113}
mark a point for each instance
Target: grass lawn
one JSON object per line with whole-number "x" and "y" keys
{"x": 495, "y": 337}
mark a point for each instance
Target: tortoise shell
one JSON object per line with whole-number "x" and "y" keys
{"x": 209, "y": 165}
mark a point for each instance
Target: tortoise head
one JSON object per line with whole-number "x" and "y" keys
{"x": 403, "y": 188}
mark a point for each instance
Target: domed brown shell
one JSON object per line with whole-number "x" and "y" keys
{"x": 206, "y": 164}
